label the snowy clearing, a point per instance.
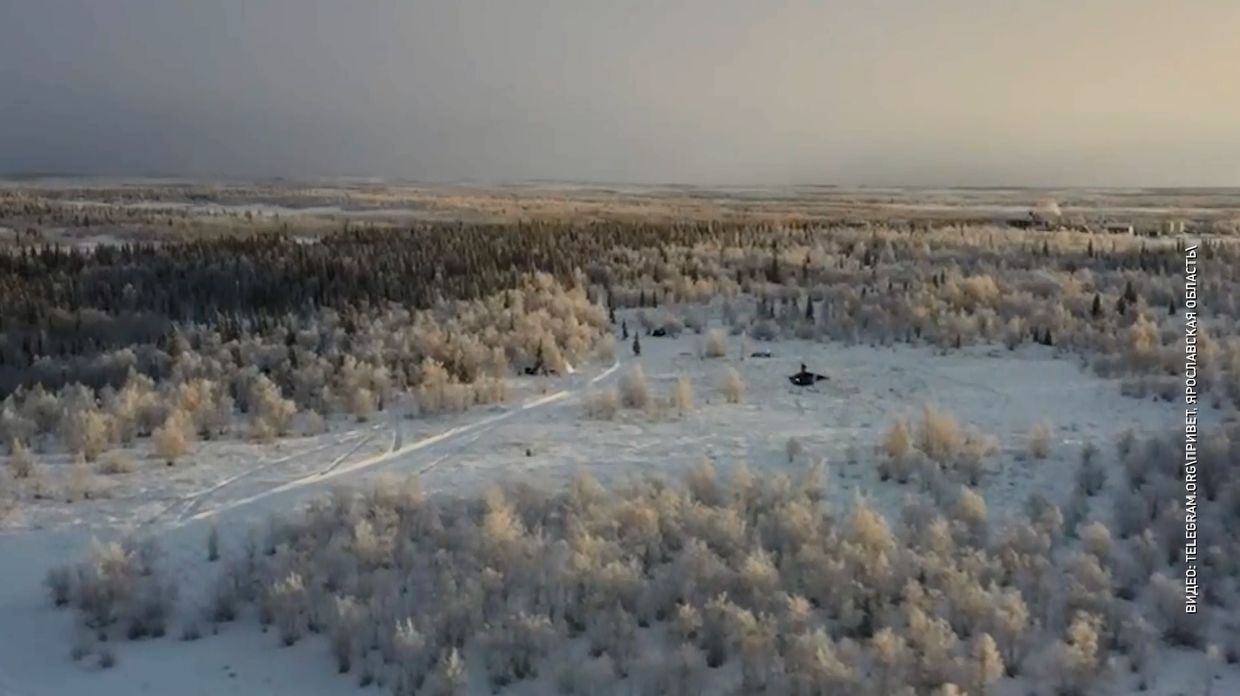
(542, 436)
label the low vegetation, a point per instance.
(751, 583)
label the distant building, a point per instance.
(1119, 228)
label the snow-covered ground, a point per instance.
(543, 436)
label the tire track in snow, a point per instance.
(192, 501)
(352, 450)
(400, 450)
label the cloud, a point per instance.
(1123, 92)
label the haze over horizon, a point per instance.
(951, 93)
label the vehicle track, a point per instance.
(399, 450)
(189, 503)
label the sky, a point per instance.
(894, 92)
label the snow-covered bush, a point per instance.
(634, 390)
(81, 484)
(1092, 475)
(793, 449)
(681, 399)
(938, 434)
(651, 584)
(1040, 440)
(896, 441)
(172, 439)
(602, 404)
(21, 461)
(732, 385)
(115, 462)
(119, 590)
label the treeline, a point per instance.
(308, 314)
(67, 301)
(57, 301)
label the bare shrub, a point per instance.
(450, 677)
(88, 432)
(896, 441)
(21, 461)
(793, 449)
(1040, 440)
(703, 485)
(107, 658)
(119, 585)
(901, 469)
(345, 630)
(634, 390)
(971, 460)
(602, 404)
(38, 485)
(1178, 627)
(172, 439)
(362, 403)
(272, 414)
(605, 350)
(287, 602)
(81, 483)
(1091, 477)
(716, 344)
(987, 664)
(115, 462)
(732, 385)
(682, 396)
(59, 583)
(970, 514)
(1074, 662)
(313, 423)
(938, 436)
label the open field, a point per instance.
(148, 210)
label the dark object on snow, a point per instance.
(659, 332)
(805, 378)
(540, 369)
(760, 354)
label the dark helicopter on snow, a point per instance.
(805, 378)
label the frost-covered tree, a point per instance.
(272, 414)
(815, 666)
(938, 435)
(1075, 661)
(173, 439)
(450, 677)
(287, 600)
(1177, 626)
(987, 664)
(87, 431)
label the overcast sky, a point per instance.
(939, 92)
